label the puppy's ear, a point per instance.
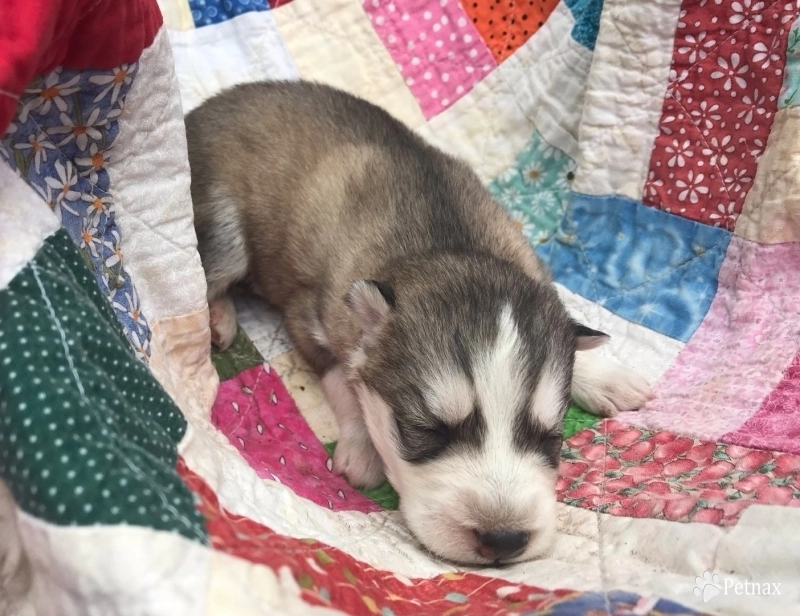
(588, 338)
(371, 302)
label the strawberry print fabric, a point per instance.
(260, 419)
(435, 46)
(727, 70)
(627, 471)
(330, 577)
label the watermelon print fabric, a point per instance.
(648, 153)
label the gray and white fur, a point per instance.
(442, 345)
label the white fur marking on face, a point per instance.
(449, 395)
(548, 399)
(498, 381)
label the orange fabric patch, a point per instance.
(507, 24)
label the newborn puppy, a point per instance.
(442, 345)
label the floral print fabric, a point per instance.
(535, 190)
(727, 69)
(60, 143)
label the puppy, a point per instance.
(442, 345)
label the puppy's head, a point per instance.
(464, 375)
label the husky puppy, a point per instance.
(441, 342)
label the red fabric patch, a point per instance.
(727, 70)
(632, 472)
(37, 36)
(259, 417)
(329, 577)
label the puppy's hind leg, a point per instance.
(223, 252)
(604, 388)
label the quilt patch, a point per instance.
(260, 419)
(60, 143)
(790, 92)
(87, 435)
(536, 189)
(623, 470)
(721, 100)
(207, 12)
(503, 29)
(651, 268)
(435, 46)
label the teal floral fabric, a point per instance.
(536, 189)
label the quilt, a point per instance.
(649, 152)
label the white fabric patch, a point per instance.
(771, 211)
(177, 14)
(333, 42)
(25, 222)
(213, 58)
(624, 96)
(149, 179)
(129, 570)
(548, 77)
(263, 325)
(634, 346)
(486, 128)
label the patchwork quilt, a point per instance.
(649, 151)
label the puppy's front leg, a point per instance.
(222, 317)
(355, 457)
(604, 388)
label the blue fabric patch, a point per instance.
(207, 12)
(643, 264)
(587, 20)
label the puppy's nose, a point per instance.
(501, 544)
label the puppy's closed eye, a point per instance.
(423, 442)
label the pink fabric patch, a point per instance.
(436, 48)
(776, 425)
(257, 414)
(739, 353)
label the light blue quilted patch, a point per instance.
(790, 92)
(643, 264)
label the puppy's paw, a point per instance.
(359, 463)
(606, 389)
(222, 317)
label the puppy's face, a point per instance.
(464, 386)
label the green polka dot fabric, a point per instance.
(87, 435)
